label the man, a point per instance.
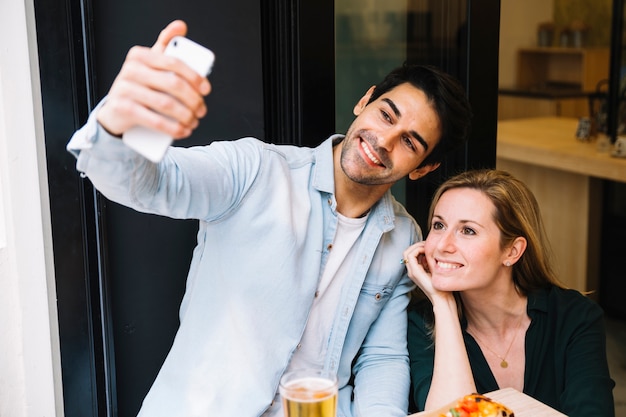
(297, 261)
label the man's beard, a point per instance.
(356, 168)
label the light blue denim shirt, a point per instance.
(267, 217)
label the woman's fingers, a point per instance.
(417, 267)
(412, 253)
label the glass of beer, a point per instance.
(309, 393)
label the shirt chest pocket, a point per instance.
(372, 299)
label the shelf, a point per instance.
(538, 68)
(554, 81)
(548, 92)
(555, 50)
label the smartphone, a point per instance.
(151, 143)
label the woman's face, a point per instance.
(463, 245)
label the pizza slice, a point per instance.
(476, 405)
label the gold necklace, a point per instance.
(503, 362)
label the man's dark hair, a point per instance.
(448, 98)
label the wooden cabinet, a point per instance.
(554, 82)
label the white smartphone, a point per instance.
(151, 143)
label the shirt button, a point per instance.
(330, 246)
(299, 346)
(330, 202)
(317, 293)
(378, 296)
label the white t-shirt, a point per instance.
(311, 351)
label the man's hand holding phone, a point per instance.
(159, 91)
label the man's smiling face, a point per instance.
(390, 137)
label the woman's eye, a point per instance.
(468, 231)
(437, 226)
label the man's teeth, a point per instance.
(445, 265)
(369, 154)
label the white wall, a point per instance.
(518, 28)
(30, 376)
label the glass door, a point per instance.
(374, 36)
(612, 280)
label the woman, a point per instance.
(495, 314)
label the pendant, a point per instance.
(504, 364)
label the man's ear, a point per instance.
(421, 171)
(358, 108)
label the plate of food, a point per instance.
(472, 405)
(506, 402)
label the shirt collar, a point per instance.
(323, 171)
(537, 300)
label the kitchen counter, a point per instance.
(565, 174)
(551, 142)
